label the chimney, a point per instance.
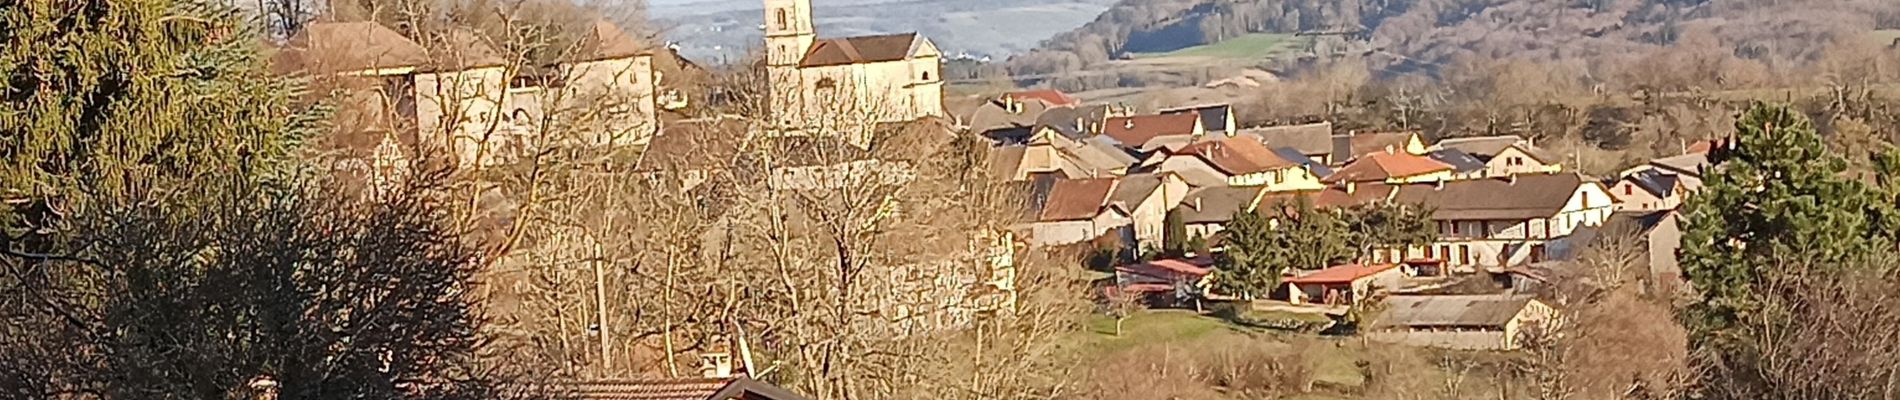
(1197, 204)
(1439, 185)
(1128, 123)
(1512, 179)
(1351, 187)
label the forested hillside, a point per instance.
(1409, 36)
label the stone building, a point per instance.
(836, 84)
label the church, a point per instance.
(832, 84)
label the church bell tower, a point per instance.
(788, 35)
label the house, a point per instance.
(1464, 322)
(1217, 118)
(1050, 152)
(1240, 161)
(1052, 97)
(889, 78)
(691, 151)
(1649, 190)
(1395, 168)
(1504, 155)
(1501, 222)
(448, 92)
(1353, 145)
(1342, 285)
(1463, 165)
(1079, 210)
(1019, 115)
(1313, 140)
(1206, 211)
(737, 388)
(1082, 120)
(1000, 118)
(1148, 198)
(1688, 169)
(1137, 131)
(1658, 235)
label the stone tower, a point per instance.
(788, 35)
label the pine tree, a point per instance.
(1250, 267)
(1284, 236)
(1174, 237)
(171, 240)
(1776, 197)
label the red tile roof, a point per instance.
(1378, 142)
(859, 50)
(1381, 166)
(1076, 199)
(1137, 130)
(1237, 156)
(1342, 274)
(1051, 97)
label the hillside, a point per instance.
(712, 29)
(1407, 36)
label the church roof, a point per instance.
(859, 50)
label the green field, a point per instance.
(1250, 46)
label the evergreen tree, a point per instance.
(1260, 248)
(1388, 224)
(163, 240)
(1776, 197)
(1250, 267)
(1174, 237)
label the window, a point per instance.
(1629, 190)
(1454, 228)
(784, 19)
(1464, 254)
(926, 76)
(1446, 251)
(1429, 254)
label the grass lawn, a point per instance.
(1250, 46)
(1334, 365)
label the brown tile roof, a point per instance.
(1213, 117)
(1526, 196)
(1336, 196)
(859, 50)
(1076, 199)
(1483, 147)
(1309, 139)
(1380, 166)
(1135, 131)
(1218, 203)
(699, 144)
(1047, 96)
(1351, 145)
(679, 389)
(1237, 156)
(331, 47)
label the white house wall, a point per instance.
(478, 94)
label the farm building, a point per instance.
(1467, 322)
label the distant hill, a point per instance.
(1405, 36)
(710, 30)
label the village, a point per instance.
(1144, 202)
(640, 225)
